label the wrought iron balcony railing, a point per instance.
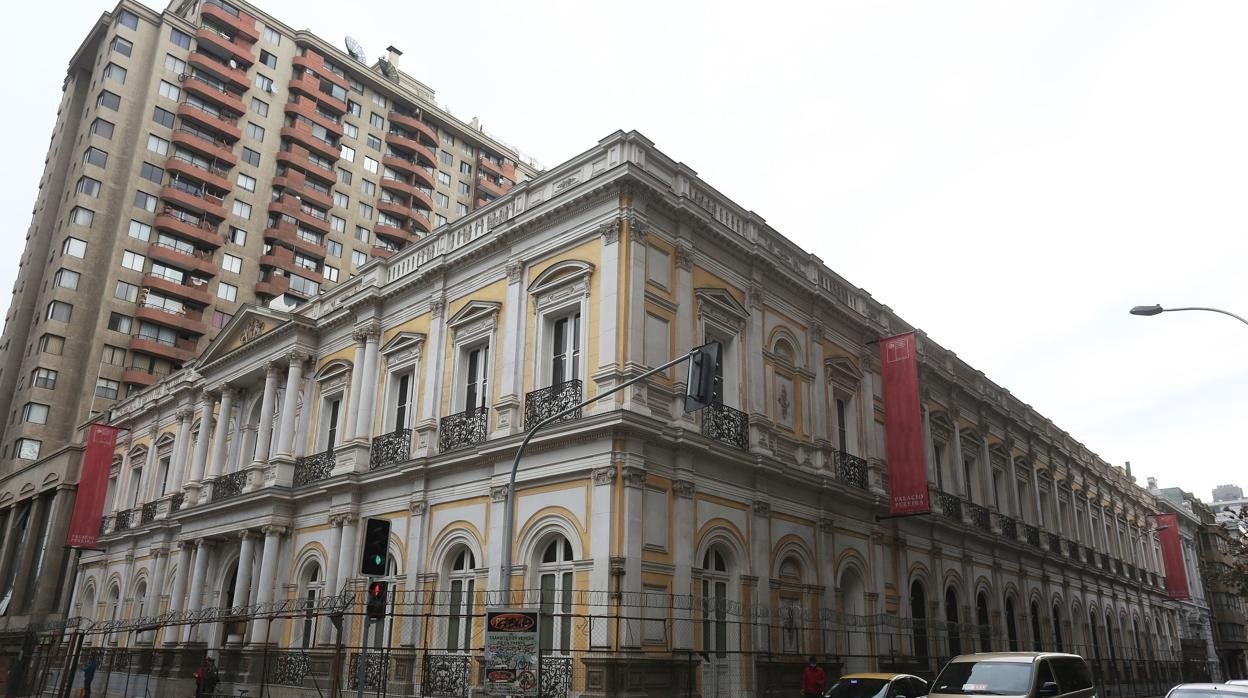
(148, 514)
(229, 485)
(106, 523)
(726, 425)
(951, 506)
(548, 402)
(1071, 549)
(313, 468)
(979, 516)
(1032, 534)
(1054, 541)
(463, 429)
(390, 449)
(176, 502)
(123, 520)
(851, 469)
(1009, 528)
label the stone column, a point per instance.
(148, 482)
(431, 398)
(290, 402)
(416, 509)
(9, 550)
(200, 458)
(955, 439)
(325, 631)
(353, 391)
(825, 553)
(754, 377)
(683, 553)
(494, 552)
(264, 438)
(203, 548)
(634, 514)
(29, 552)
(177, 594)
(1035, 491)
(181, 446)
(268, 567)
(217, 465)
(368, 388)
(988, 488)
(120, 487)
(634, 321)
(1011, 472)
(509, 415)
(929, 447)
(819, 390)
(686, 314)
(246, 556)
(46, 595)
(346, 559)
(151, 605)
(607, 374)
(760, 569)
(602, 500)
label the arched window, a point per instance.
(140, 596)
(462, 583)
(918, 614)
(1057, 628)
(1037, 639)
(86, 607)
(784, 350)
(114, 609)
(715, 603)
(953, 619)
(1011, 627)
(555, 602)
(310, 588)
(790, 606)
(1095, 635)
(854, 605)
(982, 619)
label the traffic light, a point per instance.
(704, 386)
(377, 599)
(376, 545)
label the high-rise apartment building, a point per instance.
(203, 158)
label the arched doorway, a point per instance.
(984, 622)
(954, 621)
(309, 588)
(716, 590)
(1036, 637)
(1011, 626)
(918, 615)
(1057, 628)
(853, 606)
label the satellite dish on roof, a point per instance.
(356, 50)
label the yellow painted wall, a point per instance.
(494, 293)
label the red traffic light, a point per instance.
(376, 589)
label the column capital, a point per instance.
(437, 305)
(684, 255)
(417, 507)
(816, 331)
(514, 269)
(296, 356)
(204, 543)
(498, 494)
(761, 508)
(274, 530)
(185, 413)
(683, 488)
(754, 296)
(247, 533)
(634, 476)
(603, 476)
(225, 389)
(274, 368)
(207, 395)
(610, 231)
(827, 525)
(347, 519)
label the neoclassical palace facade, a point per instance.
(752, 527)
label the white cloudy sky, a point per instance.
(1010, 176)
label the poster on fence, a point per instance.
(511, 652)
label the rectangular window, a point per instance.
(169, 90)
(271, 36)
(157, 145)
(179, 39)
(353, 108)
(350, 130)
(444, 178)
(43, 378)
(81, 216)
(132, 260)
(74, 247)
(95, 156)
(442, 200)
(242, 209)
(231, 263)
(358, 258)
(52, 344)
(174, 64)
(126, 292)
(251, 157)
(465, 188)
(338, 225)
(376, 120)
(342, 200)
(246, 182)
(331, 428)
(120, 323)
(330, 273)
(107, 388)
(461, 209)
(465, 169)
(121, 46)
(164, 117)
(335, 248)
(127, 19)
(366, 211)
(238, 236)
(264, 82)
(114, 356)
(108, 100)
(89, 187)
(373, 142)
(145, 201)
(220, 319)
(363, 234)
(27, 449)
(259, 106)
(565, 349)
(446, 157)
(151, 173)
(842, 433)
(102, 128)
(476, 377)
(402, 401)
(368, 187)
(347, 153)
(379, 99)
(66, 278)
(255, 131)
(116, 73)
(58, 310)
(439, 219)
(268, 59)
(226, 291)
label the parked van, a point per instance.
(1029, 674)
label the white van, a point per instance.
(1028, 674)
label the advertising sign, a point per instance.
(84, 525)
(511, 652)
(903, 426)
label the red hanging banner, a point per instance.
(903, 426)
(84, 526)
(1172, 556)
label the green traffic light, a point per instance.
(376, 559)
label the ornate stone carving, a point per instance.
(185, 413)
(634, 477)
(274, 530)
(247, 533)
(604, 476)
(827, 525)
(762, 508)
(684, 256)
(683, 488)
(755, 297)
(816, 331)
(498, 494)
(610, 231)
(417, 507)
(514, 268)
(251, 330)
(437, 306)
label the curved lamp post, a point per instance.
(1150, 310)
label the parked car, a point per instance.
(1030, 674)
(1208, 690)
(1238, 682)
(877, 686)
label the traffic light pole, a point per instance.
(510, 510)
(361, 667)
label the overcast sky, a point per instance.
(1009, 176)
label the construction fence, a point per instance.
(432, 644)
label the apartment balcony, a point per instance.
(413, 123)
(393, 208)
(306, 107)
(185, 169)
(420, 223)
(301, 134)
(210, 63)
(1031, 535)
(950, 506)
(311, 60)
(207, 38)
(202, 232)
(224, 123)
(216, 94)
(404, 165)
(726, 425)
(390, 449)
(138, 376)
(314, 468)
(199, 201)
(298, 157)
(491, 187)
(215, 148)
(410, 144)
(181, 351)
(463, 429)
(295, 183)
(199, 261)
(852, 470)
(379, 252)
(191, 321)
(502, 168)
(302, 212)
(243, 24)
(194, 294)
(272, 286)
(284, 233)
(392, 233)
(487, 165)
(310, 86)
(545, 403)
(284, 259)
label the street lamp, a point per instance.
(1150, 310)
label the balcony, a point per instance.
(392, 233)
(306, 107)
(405, 142)
(302, 134)
(394, 208)
(138, 376)
(198, 260)
(298, 157)
(284, 232)
(195, 294)
(979, 516)
(224, 123)
(191, 321)
(420, 223)
(487, 165)
(215, 148)
(726, 425)
(951, 506)
(390, 449)
(295, 183)
(197, 200)
(229, 486)
(171, 221)
(181, 351)
(121, 522)
(284, 259)
(310, 85)
(185, 169)
(414, 123)
(1009, 528)
(545, 403)
(379, 252)
(491, 187)
(463, 429)
(315, 62)
(308, 215)
(850, 469)
(404, 165)
(243, 24)
(272, 286)
(207, 62)
(217, 94)
(1031, 535)
(313, 468)
(147, 513)
(209, 38)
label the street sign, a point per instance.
(511, 652)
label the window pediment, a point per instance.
(843, 373)
(476, 317)
(719, 305)
(404, 346)
(560, 281)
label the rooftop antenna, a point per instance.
(356, 50)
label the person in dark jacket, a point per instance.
(88, 676)
(814, 680)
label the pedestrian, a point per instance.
(814, 679)
(88, 675)
(212, 679)
(201, 677)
